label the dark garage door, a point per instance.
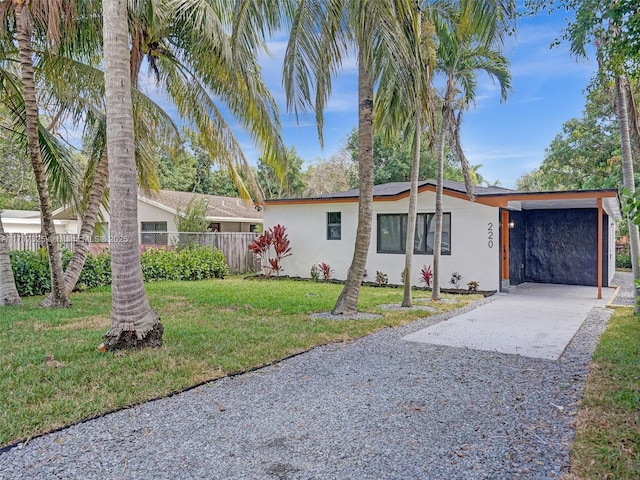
(556, 246)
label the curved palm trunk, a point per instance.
(628, 178)
(348, 300)
(413, 212)
(24, 29)
(8, 291)
(134, 324)
(98, 187)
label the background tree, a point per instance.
(288, 183)
(612, 28)
(586, 155)
(17, 185)
(335, 174)
(392, 160)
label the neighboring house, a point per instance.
(28, 221)
(501, 239)
(157, 212)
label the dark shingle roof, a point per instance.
(397, 188)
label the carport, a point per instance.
(563, 238)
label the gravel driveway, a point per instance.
(378, 407)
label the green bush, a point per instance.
(31, 272)
(623, 260)
(31, 269)
(191, 263)
(159, 264)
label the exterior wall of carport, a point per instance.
(559, 247)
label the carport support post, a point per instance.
(599, 248)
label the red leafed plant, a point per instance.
(275, 238)
(426, 275)
(326, 270)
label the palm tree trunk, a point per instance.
(628, 178)
(347, 302)
(413, 212)
(23, 34)
(98, 187)
(134, 324)
(437, 240)
(8, 291)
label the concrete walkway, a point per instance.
(537, 321)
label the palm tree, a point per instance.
(406, 105)
(186, 70)
(8, 292)
(322, 32)
(43, 15)
(621, 87)
(605, 25)
(467, 45)
(133, 322)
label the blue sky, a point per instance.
(508, 139)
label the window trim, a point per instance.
(403, 233)
(154, 231)
(331, 225)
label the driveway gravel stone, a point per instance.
(378, 407)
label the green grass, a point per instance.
(52, 375)
(607, 444)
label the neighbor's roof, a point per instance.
(492, 196)
(218, 208)
(7, 214)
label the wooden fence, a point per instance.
(234, 245)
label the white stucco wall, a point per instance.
(151, 213)
(32, 225)
(471, 255)
(612, 249)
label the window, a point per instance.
(392, 233)
(100, 233)
(153, 233)
(334, 225)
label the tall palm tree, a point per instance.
(628, 176)
(408, 105)
(468, 43)
(164, 34)
(133, 322)
(322, 32)
(43, 15)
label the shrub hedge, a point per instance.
(31, 269)
(623, 260)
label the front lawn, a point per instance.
(607, 444)
(51, 374)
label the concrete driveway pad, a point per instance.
(537, 320)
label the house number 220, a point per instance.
(490, 235)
